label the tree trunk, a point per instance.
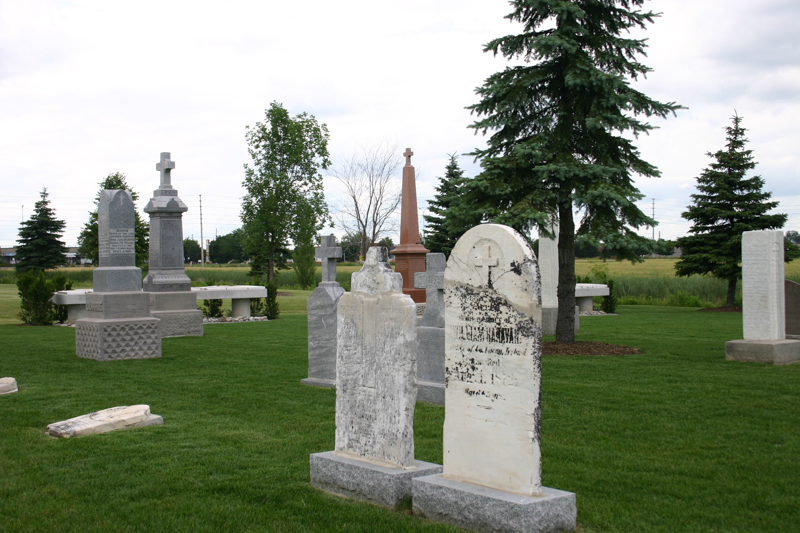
(565, 324)
(732, 292)
(271, 267)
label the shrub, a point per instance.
(271, 301)
(35, 293)
(609, 304)
(60, 283)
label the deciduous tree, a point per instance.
(40, 245)
(562, 123)
(283, 186)
(191, 250)
(227, 248)
(727, 204)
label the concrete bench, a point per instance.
(584, 292)
(240, 296)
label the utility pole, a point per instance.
(654, 217)
(202, 249)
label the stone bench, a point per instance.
(240, 296)
(584, 292)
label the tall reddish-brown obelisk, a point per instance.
(410, 254)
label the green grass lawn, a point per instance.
(674, 439)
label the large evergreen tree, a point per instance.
(448, 223)
(562, 123)
(285, 199)
(726, 205)
(88, 243)
(40, 246)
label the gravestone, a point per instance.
(123, 417)
(321, 306)
(375, 391)
(409, 255)
(8, 385)
(548, 271)
(430, 332)
(763, 303)
(117, 324)
(170, 290)
(493, 348)
(792, 297)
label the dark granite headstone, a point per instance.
(792, 298)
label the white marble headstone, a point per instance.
(763, 311)
(376, 365)
(8, 385)
(104, 421)
(493, 352)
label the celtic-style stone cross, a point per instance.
(165, 165)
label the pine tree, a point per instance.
(88, 239)
(449, 221)
(726, 205)
(562, 123)
(40, 247)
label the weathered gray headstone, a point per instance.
(171, 297)
(117, 323)
(321, 307)
(123, 417)
(792, 297)
(763, 304)
(8, 385)
(493, 349)
(430, 332)
(375, 391)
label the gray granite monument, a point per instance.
(168, 286)
(321, 306)
(430, 332)
(375, 391)
(763, 303)
(792, 296)
(492, 429)
(117, 324)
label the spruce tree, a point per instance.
(727, 204)
(448, 222)
(40, 247)
(88, 242)
(562, 124)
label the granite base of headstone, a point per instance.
(178, 313)
(763, 303)
(8, 385)
(375, 391)
(118, 326)
(123, 417)
(491, 478)
(792, 295)
(321, 306)
(550, 318)
(430, 331)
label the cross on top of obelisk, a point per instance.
(486, 261)
(408, 153)
(165, 165)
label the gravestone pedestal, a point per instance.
(321, 307)
(763, 303)
(117, 323)
(171, 297)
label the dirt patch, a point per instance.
(722, 309)
(587, 348)
(285, 293)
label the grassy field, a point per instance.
(674, 439)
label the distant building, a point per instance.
(7, 256)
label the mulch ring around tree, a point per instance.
(722, 309)
(587, 348)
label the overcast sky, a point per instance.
(88, 88)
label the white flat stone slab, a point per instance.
(122, 417)
(223, 292)
(8, 385)
(71, 297)
(590, 289)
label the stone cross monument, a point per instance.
(117, 324)
(171, 297)
(321, 306)
(410, 254)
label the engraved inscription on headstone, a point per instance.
(121, 241)
(493, 362)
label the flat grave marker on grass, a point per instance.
(492, 429)
(8, 385)
(123, 417)
(375, 391)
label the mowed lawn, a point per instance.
(673, 439)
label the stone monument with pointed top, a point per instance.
(492, 428)
(321, 306)
(409, 254)
(117, 323)
(375, 391)
(430, 332)
(170, 290)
